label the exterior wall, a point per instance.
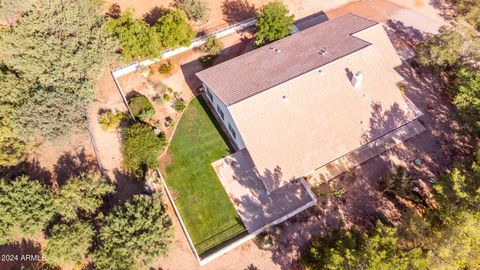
(227, 117)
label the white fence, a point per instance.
(195, 43)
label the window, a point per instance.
(209, 94)
(232, 131)
(220, 112)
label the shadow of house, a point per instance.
(235, 11)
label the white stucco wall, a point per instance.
(227, 119)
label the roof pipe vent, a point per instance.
(357, 80)
(275, 49)
(322, 52)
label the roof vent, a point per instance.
(357, 79)
(321, 72)
(285, 98)
(275, 49)
(322, 52)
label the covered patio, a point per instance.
(256, 208)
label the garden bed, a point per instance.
(208, 213)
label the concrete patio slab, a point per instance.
(256, 208)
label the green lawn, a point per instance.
(205, 208)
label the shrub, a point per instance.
(166, 67)
(179, 104)
(212, 46)
(207, 60)
(167, 97)
(169, 122)
(133, 234)
(140, 148)
(145, 71)
(68, 244)
(273, 23)
(110, 121)
(196, 10)
(141, 107)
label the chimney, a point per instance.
(357, 80)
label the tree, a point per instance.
(174, 29)
(63, 47)
(468, 9)
(140, 148)
(83, 193)
(273, 23)
(26, 207)
(353, 249)
(196, 10)
(442, 50)
(133, 234)
(467, 96)
(141, 107)
(137, 38)
(68, 244)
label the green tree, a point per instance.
(140, 148)
(174, 29)
(468, 9)
(141, 107)
(137, 38)
(457, 245)
(352, 249)
(26, 207)
(196, 10)
(467, 96)
(273, 23)
(133, 234)
(83, 193)
(68, 244)
(63, 47)
(442, 50)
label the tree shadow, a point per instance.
(30, 168)
(235, 11)
(114, 11)
(445, 8)
(152, 16)
(25, 255)
(72, 164)
(126, 187)
(409, 34)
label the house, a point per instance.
(323, 99)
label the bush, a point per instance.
(273, 23)
(140, 148)
(212, 46)
(179, 104)
(207, 60)
(196, 10)
(133, 234)
(167, 97)
(169, 122)
(145, 71)
(141, 107)
(110, 121)
(166, 67)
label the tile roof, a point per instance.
(261, 69)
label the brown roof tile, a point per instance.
(264, 68)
